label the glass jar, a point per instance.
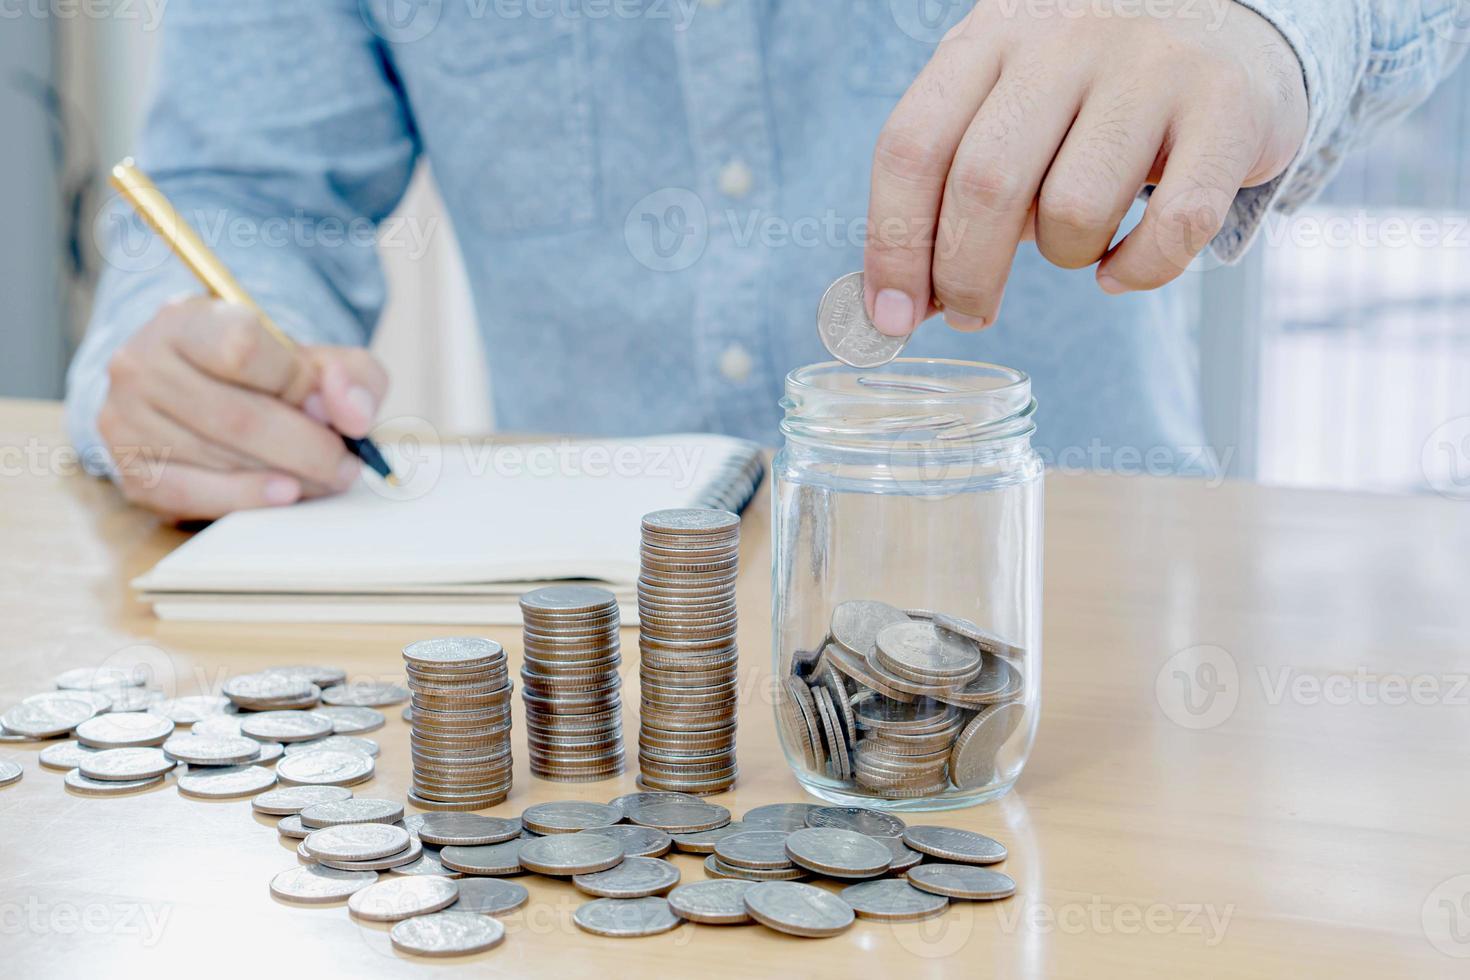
(907, 582)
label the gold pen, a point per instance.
(155, 209)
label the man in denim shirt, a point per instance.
(651, 195)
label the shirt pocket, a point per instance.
(890, 41)
(518, 82)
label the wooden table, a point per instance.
(1312, 819)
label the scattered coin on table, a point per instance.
(904, 857)
(716, 868)
(192, 709)
(65, 755)
(635, 877)
(717, 903)
(488, 859)
(638, 841)
(365, 695)
(626, 917)
(312, 673)
(836, 853)
(677, 816)
(427, 863)
(123, 731)
(489, 896)
(360, 809)
(758, 849)
(389, 862)
(312, 884)
(217, 725)
(704, 841)
(47, 719)
(78, 783)
(952, 844)
(569, 816)
(962, 881)
(291, 826)
(211, 750)
(564, 855)
(225, 782)
(466, 829)
(779, 816)
(797, 909)
(350, 719)
(448, 933)
(114, 765)
(130, 699)
(101, 678)
(335, 743)
(325, 767)
(10, 772)
(392, 899)
(873, 823)
(286, 726)
(355, 841)
(892, 900)
(99, 700)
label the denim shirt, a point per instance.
(651, 195)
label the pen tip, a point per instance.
(391, 479)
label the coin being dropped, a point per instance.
(121, 731)
(126, 764)
(638, 841)
(489, 859)
(347, 811)
(356, 842)
(490, 896)
(715, 903)
(871, 823)
(797, 909)
(847, 331)
(626, 917)
(953, 844)
(892, 900)
(312, 884)
(448, 933)
(78, 783)
(325, 767)
(466, 829)
(400, 898)
(351, 720)
(570, 854)
(226, 782)
(962, 881)
(65, 755)
(569, 816)
(779, 816)
(294, 799)
(10, 772)
(636, 877)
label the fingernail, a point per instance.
(893, 313)
(280, 491)
(1111, 286)
(962, 321)
(316, 408)
(364, 402)
(347, 472)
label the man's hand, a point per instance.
(236, 420)
(1046, 121)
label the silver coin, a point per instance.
(389, 862)
(626, 917)
(6, 736)
(953, 844)
(335, 813)
(217, 725)
(757, 849)
(65, 755)
(570, 854)
(638, 841)
(193, 709)
(392, 899)
(115, 765)
(856, 624)
(676, 816)
(986, 640)
(797, 909)
(716, 868)
(325, 767)
(225, 782)
(452, 651)
(871, 823)
(892, 900)
(972, 762)
(428, 863)
(467, 829)
(47, 719)
(569, 816)
(352, 720)
(269, 752)
(130, 699)
(449, 933)
(266, 687)
(779, 816)
(99, 700)
(963, 881)
(102, 678)
(365, 695)
(10, 772)
(922, 650)
(123, 731)
(636, 877)
(490, 896)
(312, 884)
(691, 520)
(488, 859)
(848, 332)
(78, 783)
(341, 743)
(838, 853)
(286, 726)
(291, 825)
(704, 841)
(312, 673)
(355, 841)
(294, 799)
(717, 903)
(209, 750)
(903, 856)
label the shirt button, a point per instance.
(736, 179)
(736, 364)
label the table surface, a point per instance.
(1251, 758)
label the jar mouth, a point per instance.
(922, 399)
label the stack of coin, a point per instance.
(902, 704)
(688, 668)
(460, 739)
(570, 683)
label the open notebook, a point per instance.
(472, 527)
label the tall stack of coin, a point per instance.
(460, 737)
(570, 683)
(688, 669)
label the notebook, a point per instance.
(472, 526)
